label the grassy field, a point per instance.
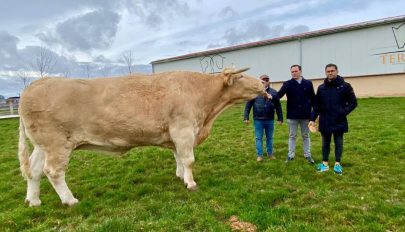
(139, 191)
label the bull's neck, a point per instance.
(221, 102)
(217, 103)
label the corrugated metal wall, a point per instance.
(367, 51)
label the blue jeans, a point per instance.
(268, 127)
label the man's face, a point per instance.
(331, 73)
(266, 82)
(295, 72)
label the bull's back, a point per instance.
(119, 111)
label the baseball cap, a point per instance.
(264, 77)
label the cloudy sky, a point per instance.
(87, 38)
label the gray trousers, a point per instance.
(293, 128)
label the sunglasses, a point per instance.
(265, 80)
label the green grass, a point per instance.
(139, 191)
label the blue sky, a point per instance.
(87, 38)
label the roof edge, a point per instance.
(282, 39)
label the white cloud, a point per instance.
(93, 30)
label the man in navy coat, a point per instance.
(300, 98)
(334, 100)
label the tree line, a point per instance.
(45, 62)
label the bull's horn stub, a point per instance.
(241, 70)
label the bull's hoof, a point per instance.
(192, 188)
(71, 202)
(33, 203)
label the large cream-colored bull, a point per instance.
(175, 110)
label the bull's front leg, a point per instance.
(184, 141)
(187, 159)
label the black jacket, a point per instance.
(300, 98)
(333, 102)
(263, 109)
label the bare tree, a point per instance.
(44, 62)
(128, 59)
(24, 77)
(105, 70)
(88, 70)
(66, 73)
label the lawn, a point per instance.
(139, 191)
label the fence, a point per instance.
(8, 109)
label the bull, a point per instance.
(175, 110)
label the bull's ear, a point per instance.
(228, 80)
(230, 75)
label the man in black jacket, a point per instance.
(334, 100)
(300, 97)
(263, 115)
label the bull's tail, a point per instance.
(23, 154)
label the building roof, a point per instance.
(282, 39)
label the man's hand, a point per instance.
(246, 121)
(267, 95)
(312, 126)
(279, 122)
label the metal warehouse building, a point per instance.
(370, 55)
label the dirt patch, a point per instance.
(237, 225)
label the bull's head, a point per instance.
(241, 86)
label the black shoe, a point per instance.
(310, 160)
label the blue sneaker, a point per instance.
(322, 167)
(338, 169)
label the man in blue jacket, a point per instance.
(334, 100)
(300, 98)
(263, 115)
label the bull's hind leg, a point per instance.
(37, 160)
(56, 163)
(179, 166)
(184, 142)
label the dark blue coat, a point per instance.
(300, 98)
(333, 102)
(263, 109)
